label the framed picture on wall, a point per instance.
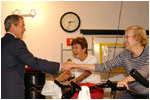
(105, 48)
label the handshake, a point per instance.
(67, 65)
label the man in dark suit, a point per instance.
(14, 57)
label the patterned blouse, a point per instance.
(125, 59)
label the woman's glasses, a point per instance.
(126, 37)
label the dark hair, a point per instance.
(81, 41)
(11, 19)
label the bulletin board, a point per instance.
(105, 48)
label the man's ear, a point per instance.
(12, 25)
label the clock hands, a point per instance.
(70, 23)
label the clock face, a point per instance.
(70, 22)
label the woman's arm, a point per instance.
(83, 76)
(90, 67)
(64, 76)
(103, 67)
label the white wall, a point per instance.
(43, 33)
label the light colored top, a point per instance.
(125, 59)
(94, 77)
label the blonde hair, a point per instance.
(140, 34)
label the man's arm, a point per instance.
(24, 55)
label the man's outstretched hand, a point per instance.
(67, 65)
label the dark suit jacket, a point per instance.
(14, 57)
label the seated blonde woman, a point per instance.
(135, 56)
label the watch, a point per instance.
(70, 22)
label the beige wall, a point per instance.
(43, 33)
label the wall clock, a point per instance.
(70, 22)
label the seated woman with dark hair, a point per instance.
(82, 77)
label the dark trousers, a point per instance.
(129, 95)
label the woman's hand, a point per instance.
(123, 83)
(69, 82)
(66, 83)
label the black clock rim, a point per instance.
(62, 18)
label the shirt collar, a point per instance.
(12, 34)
